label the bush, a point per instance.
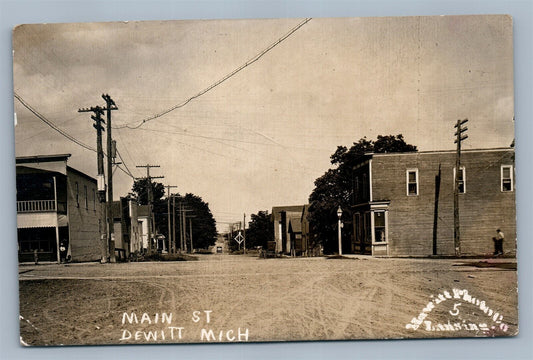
(169, 257)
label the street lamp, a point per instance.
(339, 215)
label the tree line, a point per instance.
(204, 231)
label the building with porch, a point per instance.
(287, 228)
(128, 229)
(404, 202)
(58, 215)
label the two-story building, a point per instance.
(128, 229)
(58, 215)
(404, 202)
(287, 229)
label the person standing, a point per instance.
(498, 242)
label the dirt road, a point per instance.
(236, 298)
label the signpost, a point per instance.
(239, 239)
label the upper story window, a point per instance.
(412, 182)
(461, 178)
(94, 200)
(77, 195)
(506, 178)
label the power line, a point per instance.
(126, 166)
(64, 133)
(220, 81)
(51, 124)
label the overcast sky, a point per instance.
(263, 136)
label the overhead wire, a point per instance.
(64, 133)
(51, 124)
(124, 163)
(220, 81)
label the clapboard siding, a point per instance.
(483, 207)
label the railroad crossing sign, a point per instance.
(239, 238)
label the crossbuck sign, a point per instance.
(239, 238)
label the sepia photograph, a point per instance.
(265, 180)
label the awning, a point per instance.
(39, 220)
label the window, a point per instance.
(86, 197)
(94, 200)
(379, 226)
(77, 195)
(507, 178)
(461, 178)
(412, 182)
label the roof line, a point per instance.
(440, 151)
(41, 158)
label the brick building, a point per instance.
(396, 211)
(57, 207)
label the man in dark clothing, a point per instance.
(498, 242)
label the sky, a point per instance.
(260, 138)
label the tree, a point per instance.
(335, 188)
(203, 223)
(260, 230)
(159, 209)
(140, 189)
(204, 230)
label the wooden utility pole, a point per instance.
(188, 246)
(436, 211)
(149, 178)
(190, 232)
(174, 222)
(170, 244)
(456, 225)
(182, 242)
(110, 105)
(244, 233)
(97, 117)
(183, 227)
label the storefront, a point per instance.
(370, 229)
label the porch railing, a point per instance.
(36, 206)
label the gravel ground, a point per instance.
(224, 298)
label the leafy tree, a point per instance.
(204, 231)
(140, 189)
(260, 230)
(159, 205)
(335, 188)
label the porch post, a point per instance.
(372, 232)
(57, 223)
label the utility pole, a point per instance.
(244, 233)
(149, 178)
(170, 244)
(190, 232)
(174, 221)
(182, 242)
(436, 211)
(458, 140)
(110, 105)
(97, 117)
(184, 211)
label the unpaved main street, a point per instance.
(235, 298)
